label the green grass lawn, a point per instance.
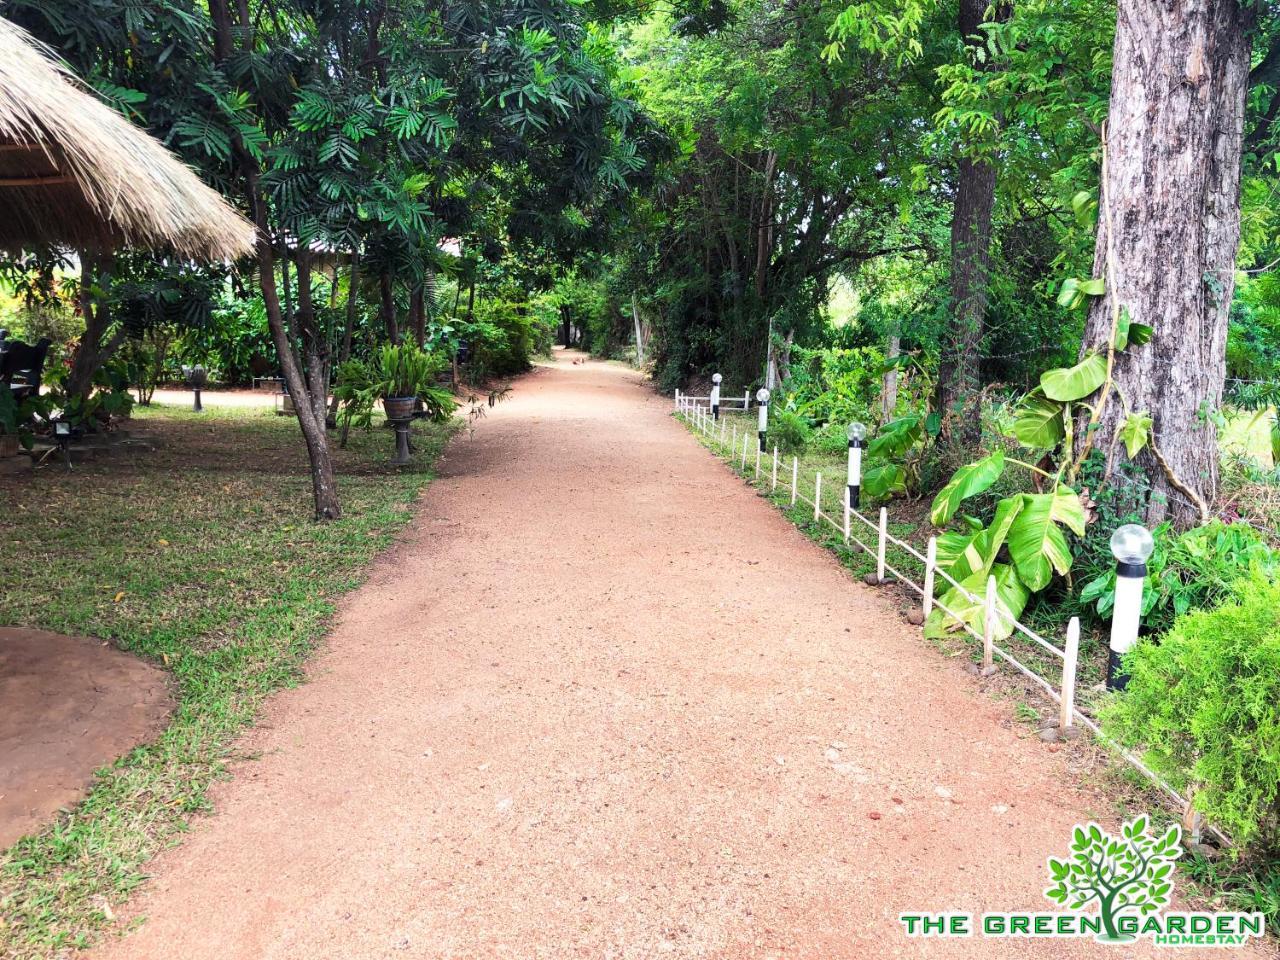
(202, 557)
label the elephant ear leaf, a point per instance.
(1038, 422)
(1275, 441)
(884, 481)
(1135, 432)
(961, 555)
(968, 602)
(1068, 384)
(895, 438)
(1036, 541)
(969, 481)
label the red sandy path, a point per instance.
(604, 702)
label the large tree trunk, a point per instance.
(1168, 230)
(93, 350)
(958, 373)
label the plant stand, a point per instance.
(403, 450)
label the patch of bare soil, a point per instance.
(70, 706)
(603, 701)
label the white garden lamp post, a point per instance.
(762, 397)
(857, 433)
(1132, 546)
(715, 396)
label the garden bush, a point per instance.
(788, 430)
(1204, 703)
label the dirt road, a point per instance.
(604, 702)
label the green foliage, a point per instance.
(967, 482)
(1038, 422)
(1204, 703)
(788, 430)
(18, 419)
(404, 370)
(1075, 383)
(1036, 542)
(968, 603)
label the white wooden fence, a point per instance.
(744, 454)
(733, 403)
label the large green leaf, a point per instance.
(1140, 333)
(1069, 384)
(1036, 542)
(1038, 422)
(1275, 441)
(895, 438)
(1121, 341)
(1011, 599)
(884, 481)
(961, 555)
(969, 481)
(1135, 432)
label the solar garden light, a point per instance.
(762, 397)
(715, 396)
(857, 433)
(1132, 546)
(196, 378)
(62, 433)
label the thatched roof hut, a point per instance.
(76, 174)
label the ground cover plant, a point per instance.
(203, 558)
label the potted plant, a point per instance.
(402, 374)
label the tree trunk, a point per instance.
(92, 352)
(958, 372)
(389, 307)
(1169, 227)
(324, 483)
(417, 317)
(315, 344)
(889, 392)
(635, 317)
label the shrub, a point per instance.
(1204, 703)
(788, 430)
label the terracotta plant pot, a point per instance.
(399, 408)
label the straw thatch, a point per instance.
(74, 173)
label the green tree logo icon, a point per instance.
(1129, 873)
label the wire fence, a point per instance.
(765, 470)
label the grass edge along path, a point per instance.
(202, 558)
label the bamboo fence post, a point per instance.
(882, 543)
(1070, 654)
(930, 563)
